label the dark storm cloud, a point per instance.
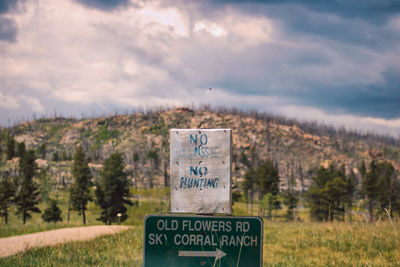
(376, 11)
(8, 30)
(346, 31)
(8, 27)
(104, 4)
(380, 100)
(7, 5)
(359, 22)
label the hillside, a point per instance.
(298, 148)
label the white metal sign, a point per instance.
(200, 171)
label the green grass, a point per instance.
(285, 244)
(36, 223)
(300, 243)
(331, 244)
(124, 249)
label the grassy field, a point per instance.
(285, 243)
(36, 223)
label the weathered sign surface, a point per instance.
(171, 241)
(200, 171)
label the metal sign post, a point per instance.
(200, 165)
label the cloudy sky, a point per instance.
(336, 62)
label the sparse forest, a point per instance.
(278, 163)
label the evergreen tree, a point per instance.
(64, 155)
(316, 201)
(369, 188)
(42, 151)
(136, 159)
(27, 193)
(290, 200)
(21, 149)
(244, 159)
(7, 191)
(112, 190)
(363, 170)
(52, 213)
(80, 189)
(249, 185)
(152, 154)
(351, 190)
(45, 183)
(381, 188)
(267, 178)
(335, 191)
(328, 194)
(56, 157)
(10, 148)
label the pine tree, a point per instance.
(45, 184)
(244, 159)
(135, 159)
(290, 200)
(363, 169)
(52, 213)
(55, 158)
(80, 189)
(10, 148)
(381, 188)
(21, 149)
(351, 191)
(112, 190)
(42, 151)
(328, 194)
(249, 185)
(27, 193)
(317, 202)
(152, 154)
(267, 178)
(64, 155)
(7, 191)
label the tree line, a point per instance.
(112, 189)
(332, 193)
(331, 196)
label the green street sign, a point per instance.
(178, 241)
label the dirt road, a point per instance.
(14, 244)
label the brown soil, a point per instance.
(15, 244)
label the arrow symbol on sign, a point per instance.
(218, 254)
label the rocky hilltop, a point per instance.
(297, 148)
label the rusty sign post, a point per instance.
(200, 165)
